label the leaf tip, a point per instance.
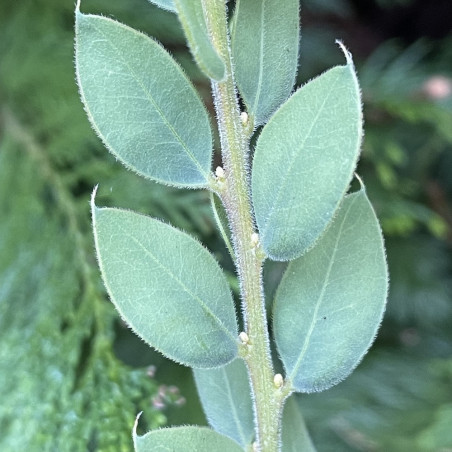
(93, 197)
(347, 54)
(361, 183)
(77, 7)
(135, 425)
(134, 430)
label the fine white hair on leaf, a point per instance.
(347, 54)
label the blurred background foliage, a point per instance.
(73, 377)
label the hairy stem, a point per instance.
(235, 194)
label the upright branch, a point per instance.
(331, 299)
(268, 391)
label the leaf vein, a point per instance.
(321, 295)
(156, 106)
(285, 179)
(203, 305)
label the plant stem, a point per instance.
(268, 399)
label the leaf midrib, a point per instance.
(320, 299)
(261, 61)
(149, 96)
(282, 187)
(203, 305)
(235, 415)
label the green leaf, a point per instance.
(295, 436)
(141, 104)
(331, 301)
(164, 4)
(304, 161)
(55, 378)
(265, 38)
(183, 439)
(191, 16)
(225, 397)
(167, 287)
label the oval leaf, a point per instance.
(295, 436)
(225, 397)
(304, 161)
(167, 287)
(183, 439)
(141, 104)
(164, 4)
(191, 16)
(265, 38)
(331, 301)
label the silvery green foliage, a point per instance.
(183, 439)
(170, 289)
(264, 42)
(155, 125)
(181, 306)
(225, 397)
(165, 4)
(192, 18)
(331, 300)
(304, 162)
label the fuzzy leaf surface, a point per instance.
(164, 4)
(304, 161)
(141, 104)
(191, 15)
(225, 397)
(265, 39)
(295, 436)
(167, 287)
(330, 302)
(183, 439)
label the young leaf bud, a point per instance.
(244, 338)
(254, 239)
(219, 172)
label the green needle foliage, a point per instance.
(181, 438)
(192, 18)
(288, 203)
(63, 388)
(227, 389)
(58, 372)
